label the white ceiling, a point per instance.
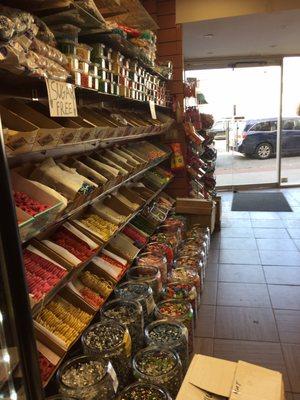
(251, 35)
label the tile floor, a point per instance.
(250, 307)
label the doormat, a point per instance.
(260, 201)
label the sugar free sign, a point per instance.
(62, 100)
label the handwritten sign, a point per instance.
(152, 109)
(62, 100)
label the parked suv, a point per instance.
(258, 137)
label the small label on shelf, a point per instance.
(152, 109)
(62, 99)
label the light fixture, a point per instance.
(273, 45)
(208, 36)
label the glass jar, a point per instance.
(61, 397)
(144, 391)
(162, 249)
(173, 335)
(130, 314)
(159, 366)
(198, 231)
(111, 341)
(178, 311)
(148, 274)
(193, 263)
(154, 258)
(87, 378)
(189, 276)
(183, 291)
(140, 292)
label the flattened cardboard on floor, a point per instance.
(216, 379)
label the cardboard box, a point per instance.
(202, 212)
(20, 134)
(21, 184)
(48, 130)
(70, 129)
(216, 379)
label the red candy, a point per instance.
(46, 368)
(28, 204)
(66, 239)
(41, 275)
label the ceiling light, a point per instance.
(208, 36)
(210, 52)
(273, 45)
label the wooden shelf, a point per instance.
(90, 202)
(26, 87)
(73, 274)
(76, 271)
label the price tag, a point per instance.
(152, 109)
(62, 100)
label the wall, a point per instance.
(201, 10)
(169, 37)
(169, 47)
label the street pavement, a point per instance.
(234, 168)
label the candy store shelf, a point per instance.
(27, 87)
(112, 189)
(118, 43)
(73, 274)
(79, 146)
(76, 271)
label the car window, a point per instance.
(297, 124)
(289, 124)
(218, 125)
(266, 126)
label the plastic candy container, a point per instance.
(148, 274)
(157, 259)
(173, 335)
(144, 391)
(178, 311)
(87, 378)
(130, 314)
(160, 366)
(111, 341)
(140, 292)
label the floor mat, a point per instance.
(260, 201)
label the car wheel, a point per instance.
(264, 151)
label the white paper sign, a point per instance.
(62, 100)
(152, 109)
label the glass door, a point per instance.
(244, 102)
(290, 133)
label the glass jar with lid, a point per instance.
(188, 276)
(148, 274)
(178, 311)
(87, 378)
(188, 262)
(130, 314)
(162, 249)
(144, 391)
(141, 292)
(154, 258)
(171, 334)
(159, 366)
(178, 289)
(110, 340)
